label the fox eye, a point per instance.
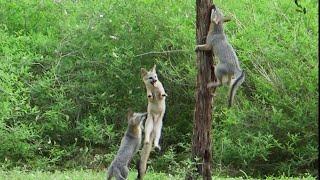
(150, 77)
(155, 76)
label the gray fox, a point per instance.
(156, 105)
(156, 110)
(228, 69)
(130, 144)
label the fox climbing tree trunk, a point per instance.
(201, 140)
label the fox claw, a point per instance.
(212, 85)
(157, 147)
(196, 48)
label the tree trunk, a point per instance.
(201, 141)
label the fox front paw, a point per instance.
(212, 84)
(150, 96)
(157, 147)
(196, 48)
(164, 95)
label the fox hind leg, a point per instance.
(118, 175)
(124, 172)
(148, 128)
(157, 128)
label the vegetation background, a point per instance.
(70, 69)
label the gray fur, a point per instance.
(130, 144)
(228, 66)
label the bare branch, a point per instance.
(161, 52)
(227, 19)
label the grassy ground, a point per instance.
(93, 175)
(70, 175)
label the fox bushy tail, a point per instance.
(234, 87)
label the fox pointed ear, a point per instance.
(143, 72)
(130, 113)
(153, 69)
(213, 11)
(217, 19)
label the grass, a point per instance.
(69, 175)
(96, 175)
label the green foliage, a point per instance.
(69, 70)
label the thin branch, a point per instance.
(227, 19)
(39, 65)
(161, 52)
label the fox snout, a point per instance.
(153, 81)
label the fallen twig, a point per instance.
(161, 52)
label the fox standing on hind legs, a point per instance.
(228, 68)
(130, 144)
(156, 105)
(156, 110)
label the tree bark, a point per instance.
(201, 140)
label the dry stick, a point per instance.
(226, 19)
(161, 52)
